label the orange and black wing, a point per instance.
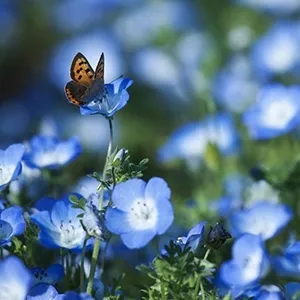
(99, 73)
(75, 93)
(81, 71)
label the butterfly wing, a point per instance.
(81, 71)
(75, 93)
(99, 73)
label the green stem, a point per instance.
(82, 264)
(202, 290)
(97, 241)
(206, 254)
(62, 257)
(1, 252)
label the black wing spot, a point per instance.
(79, 77)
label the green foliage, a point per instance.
(178, 274)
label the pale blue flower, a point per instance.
(15, 279)
(10, 164)
(248, 265)
(12, 223)
(288, 264)
(263, 218)
(49, 152)
(194, 236)
(277, 52)
(51, 275)
(276, 112)
(114, 98)
(142, 211)
(59, 225)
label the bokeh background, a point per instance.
(188, 60)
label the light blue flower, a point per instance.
(43, 291)
(142, 211)
(190, 141)
(114, 98)
(10, 164)
(263, 218)
(15, 279)
(248, 265)
(59, 225)
(234, 87)
(276, 112)
(194, 237)
(49, 152)
(277, 52)
(12, 223)
(291, 290)
(50, 275)
(264, 292)
(288, 264)
(274, 7)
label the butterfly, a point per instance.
(86, 85)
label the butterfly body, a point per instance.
(86, 85)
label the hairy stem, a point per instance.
(82, 264)
(97, 243)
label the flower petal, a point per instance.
(138, 239)
(117, 221)
(157, 189)
(126, 192)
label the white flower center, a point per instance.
(143, 214)
(278, 114)
(72, 234)
(251, 266)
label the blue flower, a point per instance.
(10, 164)
(291, 290)
(274, 7)
(264, 292)
(59, 225)
(276, 112)
(288, 265)
(248, 265)
(194, 237)
(43, 291)
(15, 279)
(12, 223)
(234, 87)
(190, 141)
(50, 276)
(277, 51)
(263, 218)
(142, 211)
(115, 98)
(49, 152)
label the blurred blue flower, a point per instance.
(50, 275)
(10, 164)
(49, 152)
(291, 290)
(248, 265)
(274, 7)
(288, 265)
(235, 87)
(12, 223)
(277, 52)
(142, 211)
(45, 291)
(264, 292)
(276, 112)
(15, 279)
(59, 225)
(190, 141)
(42, 291)
(115, 98)
(263, 218)
(194, 237)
